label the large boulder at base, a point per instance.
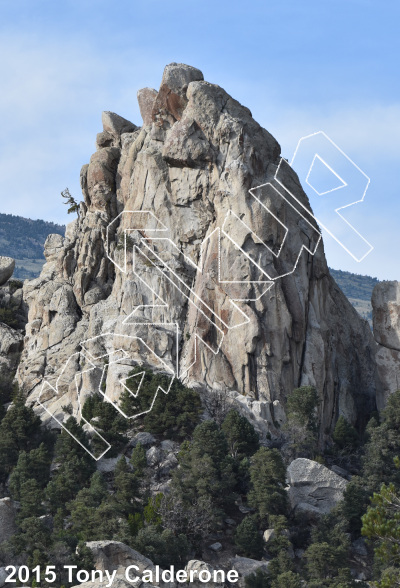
(7, 266)
(114, 555)
(7, 519)
(196, 566)
(246, 566)
(313, 488)
(386, 321)
(118, 582)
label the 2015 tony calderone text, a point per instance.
(132, 573)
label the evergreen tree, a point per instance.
(301, 428)
(138, 460)
(70, 202)
(381, 524)
(163, 548)
(33, 465)
(267, 474)
(19, 431)
(240, 434)
(248, 538)
(205, 467)
(126, 487)
(174, 415)
(345, 434)
(383, 445)
(76, 467)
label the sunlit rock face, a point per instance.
(184, 178)
(386, 321)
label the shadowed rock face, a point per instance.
(386, 321)
(192, 165)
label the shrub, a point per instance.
(248, 538)
(240, 434)
(267, 475)
(345, 435)
(174, 415)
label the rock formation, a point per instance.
(7, 266)
(7, 518)
(177, 192)
(313, 488)
(386, 321)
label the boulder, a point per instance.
(3, 575)
(196, 567)
(116, 125)
(114, 555)
(313, 488)
(146, 98)
(246, 566)
(177, 76)
(106, 465)
(268, 535)
(7, 266)
(154, 456)
(145, 439)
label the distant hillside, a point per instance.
(354, 285)
(358, 290)
(23, 239)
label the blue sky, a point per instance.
(300, 67)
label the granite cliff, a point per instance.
(229, 287)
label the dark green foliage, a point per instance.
(14, 285)
(323, 560)
(84, 509)
(126, 487)
(138, 459)
(9, 317)
(381, 524)
(76, 466)
(174, 415)
(267, 474)
(109, 421)
(240, 434)
(31, 497)
(163, 548)
(19, 431)
(33, 535)
(151, 511)
(301, 406)
(354, 504)
(248, 538)
(206, 468)
(135, 523)
(33, 465)
(383, 446)
(301, 428)
(258, 579)
(329, 550)
(345, 434)
(287, 580)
